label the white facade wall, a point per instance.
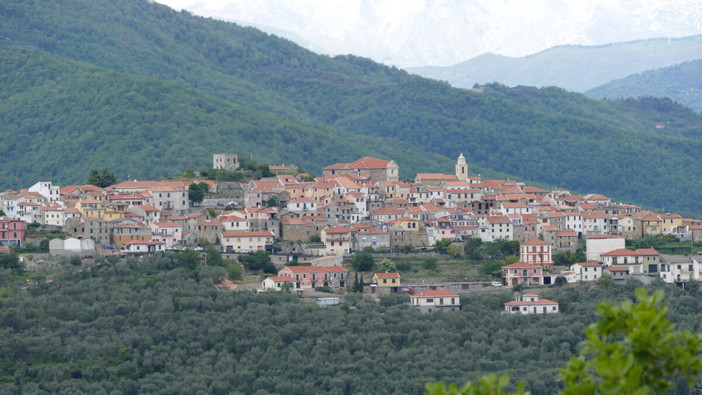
(574, 222)
(597, 247)
(46, 189)
(440, 301)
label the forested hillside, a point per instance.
(149, 326)
(682, 83)
(76, 116)
(170, 89)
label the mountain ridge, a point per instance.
(573, 67)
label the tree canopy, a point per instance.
(158, 324)
(102, 180)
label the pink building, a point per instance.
(523, 273)
(305, 277)
(12, 231)
(537, 252)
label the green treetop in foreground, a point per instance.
(632, 349)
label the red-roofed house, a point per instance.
(624, 258)
(242, 242)
(376, 169)
(537, 252)
(337, 240)
(436, 300)
(305, 277)
(619, 274)
(531, 303)
(123, 233)
(433, 179)
(276, 282)
(386, 280)
(523, 273)
(143, 247)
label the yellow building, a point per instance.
(670, 222)
(386, 279)
(406, 223)
(90, 208)
(652, 224)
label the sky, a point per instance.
(407, 33)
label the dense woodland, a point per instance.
(147, 91)
(158, 325)
(682, 83)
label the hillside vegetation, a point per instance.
(681, 83)
(152, 326)
(149, 91)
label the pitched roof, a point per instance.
(247, 234)
(536, 242)
(595, 237)
(434, 293)
(617, 268)
(166, 224)
(388, 275)
(369, 163)
(281, 278)
(521, 265)
(307, 269)
(588, 264)
(337, 229)
(537, 302)
(621, 252)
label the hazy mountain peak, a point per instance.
(421, 32)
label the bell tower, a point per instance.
(461, 168)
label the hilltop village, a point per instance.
(312, 227)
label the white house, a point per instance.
(599, 244)
(143, 247)
(531, 303)
(586, 271)
(435, 300)
(47, 189)
(276, 282)
(302, 205)
(679, 268)
(574, 221)
(624, 258)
